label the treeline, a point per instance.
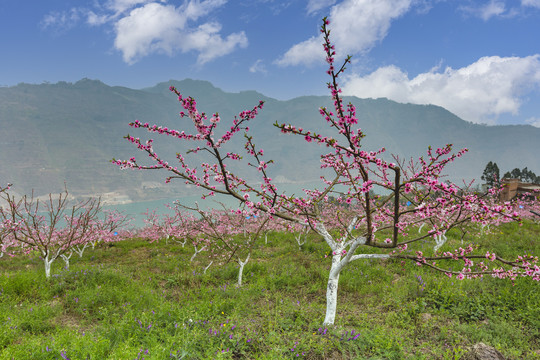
(491, 175)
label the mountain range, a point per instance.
(65, 134)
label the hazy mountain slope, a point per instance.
(56, 133)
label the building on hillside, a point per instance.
(514, 187)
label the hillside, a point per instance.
(68, 132)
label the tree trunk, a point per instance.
(47, 264)
(241, 270)
(338, 264)
(80, 250)
(299, 240)
(332, 290)
(196, 252)
(206, 268)
(440, 240)
(66, 259)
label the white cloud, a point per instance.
(112, 10)
(120, 6)
(479, 92)
(258, 66)
(357, 25)
(210, 45)
(534, 122)
(153, 27)
(61, 20)
(500, 8)
(493, 8)
(486, 11)
(194, 9)
(307, 52)
(162, 28)
(533, 3)
(95, 20)
(316, 5)
(144, 27)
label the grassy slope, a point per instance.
(135, 300)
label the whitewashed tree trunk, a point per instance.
(241, 270)
(302, 233)
(180, 242)
(484, 229)
(299, 240)
(47, 264)
(338, 264)
(206, 268)
(66, 259)
(342, 254)
(80, 250)
(196, 252)
(332, 290)
(338, 250)
(440, 240)
(175, 239)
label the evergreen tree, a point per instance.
(528, 176)
(523, 175)
(491, 174)
(516, 174)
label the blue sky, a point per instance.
(479, 59)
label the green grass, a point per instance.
(135, 299)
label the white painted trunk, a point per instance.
(47, 264)
(80, 250)
(338, 264)
(66, 259)
(196, 252)
(241, 270)
(180, 242)
(440, 240)
(484, 229)
(206, 268)
(332, 290)
(299, 240)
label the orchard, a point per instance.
(373, 213)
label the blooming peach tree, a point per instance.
(229, 234)
(7, 241)
(109, 227)
(378, 201)
(52, 227)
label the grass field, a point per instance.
(134, 299)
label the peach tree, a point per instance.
(378, 201)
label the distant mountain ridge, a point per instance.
(68, 132)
